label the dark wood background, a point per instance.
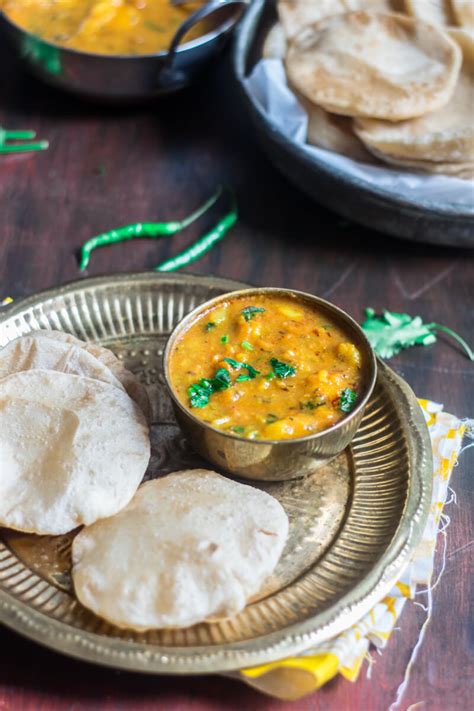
(108, 167)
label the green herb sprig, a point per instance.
(389, 332)
(253, 372)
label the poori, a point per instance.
(375, 65)
(190, 547)
(72, 449)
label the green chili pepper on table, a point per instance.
(199, 248)
(26, 135)
(143, 229)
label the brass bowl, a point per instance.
(273, 460)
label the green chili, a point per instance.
(23, 147)
(26, 135)
(199, 248)
(143, 229)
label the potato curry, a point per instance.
(266, 367)
(103, 26)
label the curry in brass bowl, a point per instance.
(263, 376)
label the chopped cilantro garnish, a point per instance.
(282, 370)
(221, 380)
(225, 338)
(242, 378)
(248, 346)
(249, 312)
(199, 393)
(270, 375)
(253, 372)
(347, 400)
(238, 429)
(270, 418)
(233, 363)
(210, 325)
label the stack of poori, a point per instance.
(389, 80)
(74, 448)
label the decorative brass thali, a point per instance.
(353, 524)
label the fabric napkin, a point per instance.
(344, 654)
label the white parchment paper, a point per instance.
(267, 85)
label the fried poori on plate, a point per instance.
(191, 546)
(129, 381)
(30, 353)
(72, 450)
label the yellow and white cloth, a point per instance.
(345, 653)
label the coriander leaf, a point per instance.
(221, 380)
(248, 346)
(225, 339)
(249, 312)
(253, 372)
(347, 400)
(270, 418)
(389, 332)
(238, 429)
(282, 370)
(242, 378)
(199, 393)
(210, 325)
(233, 363)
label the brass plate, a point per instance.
(353, 524)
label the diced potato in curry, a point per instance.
(266, 367)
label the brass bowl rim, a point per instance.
(192, 316)
(204, 39)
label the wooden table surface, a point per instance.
(108, 167)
